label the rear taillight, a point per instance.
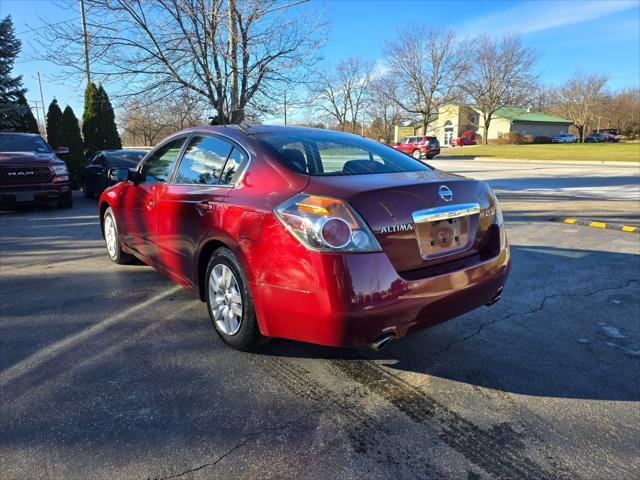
(326, 224)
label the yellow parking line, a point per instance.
(598, 225)
(627, 228)
(569, 220)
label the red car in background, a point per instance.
(462, 141)
(419, 146)
(307, 234)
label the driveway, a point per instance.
(114, 372)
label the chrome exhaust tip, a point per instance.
(496, 297)
(382, 341)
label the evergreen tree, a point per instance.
(10, 87)
(90, 120)
(108, 130)
(55, 135)
(26, 122)
(75, 157)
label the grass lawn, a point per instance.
(623, 152)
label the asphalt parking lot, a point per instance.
(112, 371)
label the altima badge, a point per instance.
(445, 193)
(405, 227)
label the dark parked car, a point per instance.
(30, 171)
(308, 234)
(599, 137)
(419, 146)
(95, 178)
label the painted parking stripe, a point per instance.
(601, 225)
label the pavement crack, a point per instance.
(540, 306)
(248, 438)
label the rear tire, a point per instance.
(229, 301)
(416, 154)
(110, 231)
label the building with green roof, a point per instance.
(453, 119)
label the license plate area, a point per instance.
(24, 197)
(443, 237)
(446, 230)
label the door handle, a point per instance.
(205, 207)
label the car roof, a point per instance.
(124, 150)
(254, 129)
(21, 134)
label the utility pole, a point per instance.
(285, 107)
(37, 112)
(44, 117)
(233, 53)
(85, 38)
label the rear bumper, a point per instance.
(34, 193)
(361, 296)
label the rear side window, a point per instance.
(232, 168)
(157, 167)
(203, 161)
(333, 153)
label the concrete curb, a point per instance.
(601, 225)
(525, 160)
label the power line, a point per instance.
(46, 26)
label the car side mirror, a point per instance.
(61, 150)
(119, 174)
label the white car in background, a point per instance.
(564, 138)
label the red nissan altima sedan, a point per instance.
(307, 234)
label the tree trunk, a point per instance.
(425, 117)
(581, 133)
(487, 124)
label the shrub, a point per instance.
(509, 138)
(468, 134)
(543, 139)
(528, 139)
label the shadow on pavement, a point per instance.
(558, 332)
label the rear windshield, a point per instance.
(324, 153)
(23, 143)
(125, 159)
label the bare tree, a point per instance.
(428, 66)
(623, 110)
(384, 111)
(578, 99)
(500, 76)
(144, 124)
(340, 93)
(235, 54)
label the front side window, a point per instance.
(157, 167)
(333, 153)
(203, 161)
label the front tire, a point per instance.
(229, 301)
(110, 231)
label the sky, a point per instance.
(595, 36)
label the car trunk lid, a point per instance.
(420, 219)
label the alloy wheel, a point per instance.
(110, 236)
(226, 301)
